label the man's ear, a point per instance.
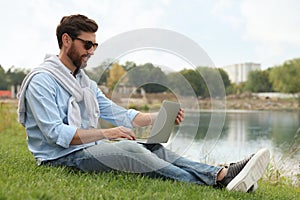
(66, 40)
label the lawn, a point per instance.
(21, 178)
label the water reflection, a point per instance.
(242, 134)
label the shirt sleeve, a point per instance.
(114, 113)
(41, 98)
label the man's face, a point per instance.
(78, 54)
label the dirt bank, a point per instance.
(246, 102)
(232, 102)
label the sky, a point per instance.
(229, 31)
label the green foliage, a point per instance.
(3, 82)
(152, 79)
(225, 77)
(144, 108)
(258, 81)
(13, 76)
(195, 80)
(214, 84)
(205, 82)
(286, 78)
(98, 74)
(129, 65)
(180, 83)
(202, 81)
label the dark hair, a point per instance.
(73, 25)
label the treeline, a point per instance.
(204, 81)
(201, 81)
(283, 78)
(13, 76)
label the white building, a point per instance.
(238, 73)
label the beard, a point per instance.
(80, 61)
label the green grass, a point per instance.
(21, 178)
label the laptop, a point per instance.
(163, 125)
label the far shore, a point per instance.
(233, 103)
(230, 104)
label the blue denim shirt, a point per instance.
(49, 134)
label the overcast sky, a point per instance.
(230, 31)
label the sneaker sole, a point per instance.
(251, 173)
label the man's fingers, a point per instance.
(180, 116)
(127, 133)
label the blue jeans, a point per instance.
(149, 159)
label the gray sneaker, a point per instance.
(254, 187)
(243, 176)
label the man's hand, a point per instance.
(142, 119)
(118, 132)
(83, 136)
(180, 116)
(146, 119)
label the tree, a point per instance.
(115, 74)
(15, 76)
(179, 84)
(258, 81)
(214, 84)
(195, 80)
(3, 82)
(100, 73)
(129, 65)
(152, 79)
(286, 78)
(226, 80)
(205, 81)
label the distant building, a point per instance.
(238, 73)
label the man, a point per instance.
(60, 106)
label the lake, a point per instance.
(219, 137)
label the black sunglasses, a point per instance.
(87, 43)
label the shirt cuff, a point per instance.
(66, 135)
(132, 113)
